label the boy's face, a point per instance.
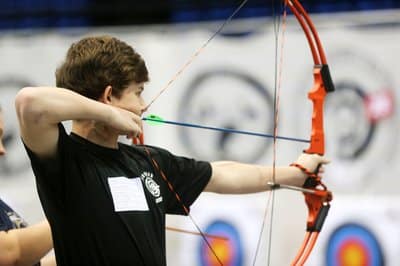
(131, 99)
(2, 149)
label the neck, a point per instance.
(96, 132)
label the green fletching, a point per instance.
(153, 119)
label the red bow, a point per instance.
(317, 196)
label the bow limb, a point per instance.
(318, 202)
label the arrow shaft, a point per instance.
(183, 124)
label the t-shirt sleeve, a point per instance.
(48, 172)
(188, 178)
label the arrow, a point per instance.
(156, 120)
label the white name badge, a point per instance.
(127, 194)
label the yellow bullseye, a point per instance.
(222, 250)
(353, 254)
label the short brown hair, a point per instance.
(93, 63)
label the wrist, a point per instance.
(297, 172)
(306, 172)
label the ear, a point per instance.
(106, 97)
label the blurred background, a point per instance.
(231, 84)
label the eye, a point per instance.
(139, 92)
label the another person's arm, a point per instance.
(25, 246)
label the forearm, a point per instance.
(53, 105)
(238, 178)
(34, 242)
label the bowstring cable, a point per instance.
(174, 78)
(195, 55)
(277, 87)
(185, 209)
(277, 94)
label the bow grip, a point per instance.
(311, 182)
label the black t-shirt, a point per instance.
(79, 204)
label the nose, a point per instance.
(143, 107)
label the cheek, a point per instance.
(131, 103)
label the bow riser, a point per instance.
(317, 96)
(322, 85)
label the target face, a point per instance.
(229, 251)
(16, 160)
(360, 120)
(355, 245)
(231, 100)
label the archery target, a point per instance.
(360, 120)
(16, 160)
(359, 230)
(229, 251)
(236, 218)
(247, 106)
(353, 130)
(355, 245)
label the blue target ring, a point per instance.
(229, 251)
(353, 244)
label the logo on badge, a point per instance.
(151, 185)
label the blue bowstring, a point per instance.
(224, 129)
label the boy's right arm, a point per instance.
(40, 109)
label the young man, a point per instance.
(106, 202)
(19, 244)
